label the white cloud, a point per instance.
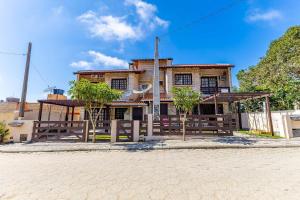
(258, 15)
(100, 60)
(147, 13)
(82, 64)
(58, 10)
(109, 27)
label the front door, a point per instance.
(163, 109)
(137, 113)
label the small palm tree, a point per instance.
(185, 98)
(3, 131)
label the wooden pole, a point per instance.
(67, 114)
(269, 115)
(216, 105)
(72, 116)
(25, 82)
(40, 111)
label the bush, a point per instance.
(3, 131)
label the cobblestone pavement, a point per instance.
(174, 174)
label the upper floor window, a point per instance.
(209, 82)
(183, 79)
(119, 84)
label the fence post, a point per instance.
(150, 125)
(113, 137)
(136, 130)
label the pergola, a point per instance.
(238, 98)
(65, 103)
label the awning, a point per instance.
(163, 97)
(235, 97)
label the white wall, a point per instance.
(282, 124)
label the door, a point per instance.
(163, 109)
(137, 113)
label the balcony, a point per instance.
(213, 90)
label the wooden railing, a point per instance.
(124, 130)
(59, 131)
(221, 125)
(213, 90)
(103, 131)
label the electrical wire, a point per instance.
(205, 17)
(12, 53)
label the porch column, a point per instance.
(67, 114)
(40, 111)
(72, 116)
(269, 115)
(216, 104)
(239, 115)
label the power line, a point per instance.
(205, 17)
(41, 76)
(12, 53)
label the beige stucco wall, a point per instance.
(282, 124)
(25, 129)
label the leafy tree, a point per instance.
(3, 131)
(185, 98)
(278, 72)
(94, 96)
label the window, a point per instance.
(119, 84)
(119, 113)
(209, 82)
(183, 79)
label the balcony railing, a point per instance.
(213, 90)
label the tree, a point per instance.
(278, 72)
(185, 98)
(3, 131)
(95, 96)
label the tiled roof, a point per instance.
(150, 59)
(128, 103)
(205, 66)
(149, 97)
(109, 71)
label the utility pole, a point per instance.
(156, 89)
(25, 82)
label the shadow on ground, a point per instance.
(234, 140)
(144, 146)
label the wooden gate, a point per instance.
(125, 131)
(102, 130)
(71, 131)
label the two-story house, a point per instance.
(136, 82)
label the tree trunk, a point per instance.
(94, 131)
(183, 127)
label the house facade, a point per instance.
(136, 84)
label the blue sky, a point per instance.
(104, 34)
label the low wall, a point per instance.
(282, 124)
(25, 129)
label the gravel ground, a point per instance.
(173, 174)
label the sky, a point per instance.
(71, 35)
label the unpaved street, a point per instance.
(169, 174)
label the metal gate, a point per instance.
(125, 131)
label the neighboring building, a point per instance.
(136, 82)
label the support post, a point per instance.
(156, 87)
(67, 114)
(72, 116)
(40, 111)
(25, 82)
(113, 136)
(216, 104)
(239, 120)
(136, 130)
(269, 115)
(150, 125)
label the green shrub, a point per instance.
(3, 131)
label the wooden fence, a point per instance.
(59, 131)
(125, 131)
(102, 131)
(221, 125)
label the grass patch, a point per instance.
(262, 134)
(107, 137)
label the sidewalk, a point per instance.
(200, 143)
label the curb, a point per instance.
(131, 149)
